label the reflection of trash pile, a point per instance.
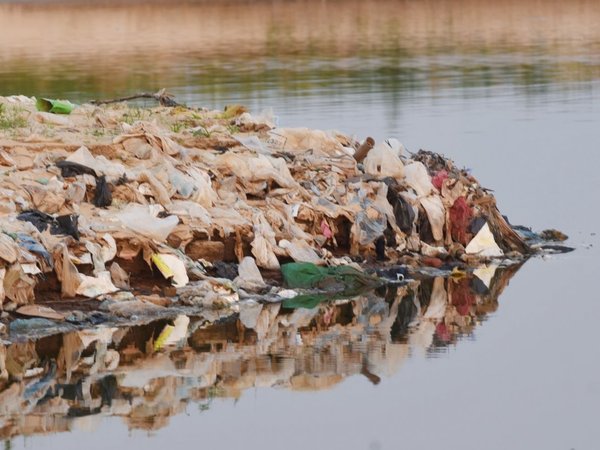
(146, 374)
(158, 206)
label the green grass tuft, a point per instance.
(11, 117)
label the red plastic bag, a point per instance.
(460, 218)
(439, 178)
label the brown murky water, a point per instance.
(509, 88)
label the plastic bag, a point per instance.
(257, 168)
(183, 184)
(139, 219)
(100, 164)
(191, 209)
(460, 215)
(369, 224)
(300, 251)
(172, 268)
(204, 195)
(383, 161)
(484, 244)
(439, 178)
(302, 139)
(266, 117)
(253, 143)
(436, 214)
(54, 106)
(119, 276)
(159, 191)
(83, 157)
(309, 276)
(95, 286)
(417, 177)
(9, 250)
(264, 244)
(249, 276)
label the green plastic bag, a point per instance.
(306, 301)
(54, 106)
(312, 300)
(339, 278)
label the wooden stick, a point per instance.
(164, 98)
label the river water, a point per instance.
(509, 89)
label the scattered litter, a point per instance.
(119, 276)
(54, 106)
(90, 216)
(66, 224)
(140, 219)
(553, 235)
(102, 195)
(384, 161)
(339, 278)
(484, 244)
(249, 277)
(172, 268)
(363, 150)
(93, 287)
(40, 311)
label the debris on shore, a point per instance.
(140, 211)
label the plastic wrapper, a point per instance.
(383, 161)
(139, 219)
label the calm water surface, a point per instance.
(509, 89)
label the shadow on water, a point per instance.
(74, 380)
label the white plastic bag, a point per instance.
(484, 244)
(138, 218)
(249, 276)
(436, 214)
(384, 161)
(300, 251)
(95, 286)
(417, 177)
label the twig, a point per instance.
(164, 98)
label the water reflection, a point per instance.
(72, 381)
(204, 51)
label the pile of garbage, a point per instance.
(144, 209)
(145, 374)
